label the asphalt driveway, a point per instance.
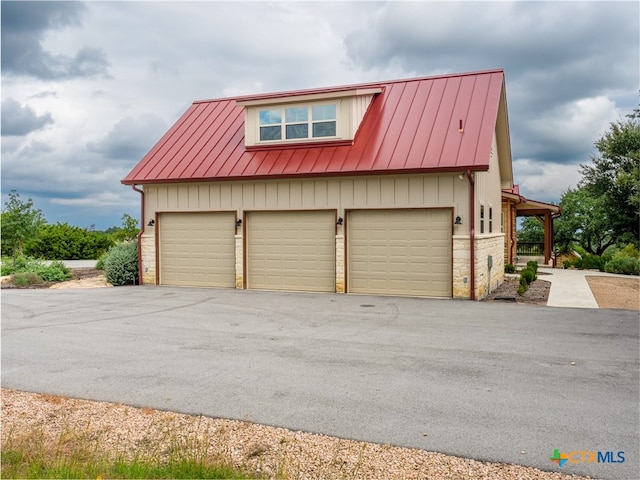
(498, 382)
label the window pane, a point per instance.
(300, 130)
(324, 112)
(269, 117)
(324, 129)
(296, 114)
(270, 133)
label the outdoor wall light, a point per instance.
(239, 222)
(151, 223)
(458, 221)
(340, 220)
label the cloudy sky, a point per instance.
(89, 87)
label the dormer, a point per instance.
(305, 118)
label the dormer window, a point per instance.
(298, 123)
(305, 118)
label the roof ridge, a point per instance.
(338, 88)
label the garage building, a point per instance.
(381, 188)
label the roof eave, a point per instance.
(357, 173)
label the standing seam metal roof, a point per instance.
(412, 126)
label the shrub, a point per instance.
(63, 241)
(23, 279)
(629, 251)
(568, 264)
(524, 283)
(533, 265)
(52, 272)
(624, 265)
(100, 262)
(121, 264)
(509, 268)
(10, 265)
(625, 261)
(590, 262)
(47, 271)
(527, 275)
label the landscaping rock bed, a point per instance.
(537, 293)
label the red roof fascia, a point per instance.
(411, 127)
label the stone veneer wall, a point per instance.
(148, 249)
(485, 245)
(461, 272)
(492, 244)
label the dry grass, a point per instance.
(262, 451)
(615, 292)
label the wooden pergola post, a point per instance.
(548, 237)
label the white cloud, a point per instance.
(544, 181)
(579, 122)
(98, 200)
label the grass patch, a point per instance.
(24, 279)
(80, 455)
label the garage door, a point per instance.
(400, 252)
(291, 251)
(197, 249)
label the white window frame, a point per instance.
(310, 122)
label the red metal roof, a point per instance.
(411, 126)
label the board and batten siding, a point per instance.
(401, 191)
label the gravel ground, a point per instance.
(266, 452)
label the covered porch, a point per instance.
(515, 205)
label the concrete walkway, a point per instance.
(569, 288)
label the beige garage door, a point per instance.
(197, 249)
(291, 251)
(400, 252)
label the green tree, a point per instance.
(613, 177)
(531, 230)
(129, 230)
(584, 220)
(20, 221)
